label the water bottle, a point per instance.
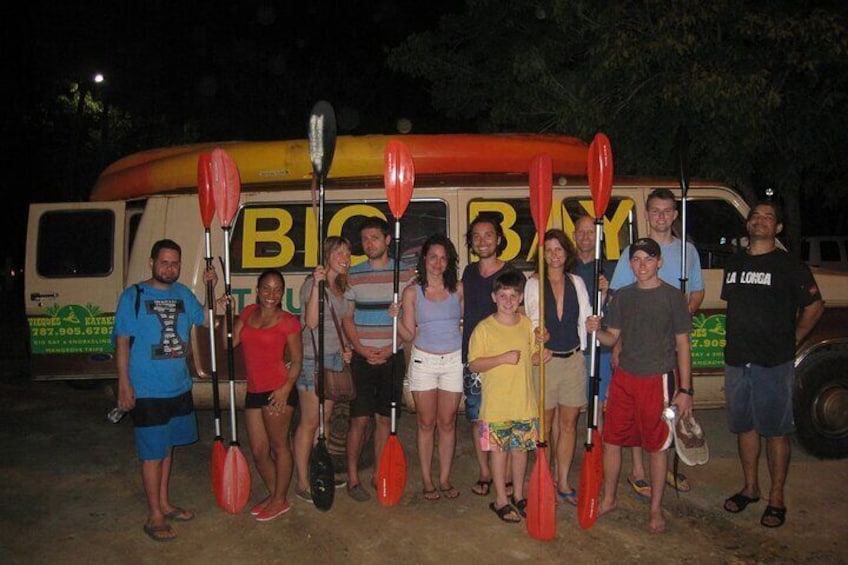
(670, 413)
(115, 415)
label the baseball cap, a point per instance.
(647, 245)
(690, 441)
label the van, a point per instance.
(80, 256)
(826, 251)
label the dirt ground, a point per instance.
(70, 492)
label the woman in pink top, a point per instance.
(267, 333)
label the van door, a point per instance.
(74, 276)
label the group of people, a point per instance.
(481, 336)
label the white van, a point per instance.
(826, 251)
(80, 256)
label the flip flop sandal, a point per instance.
(740, 502)
(156, 533)
(773, 517)
(640, 487)
(432, 494)
(179, 515)
(482, 488)
(449, 492)
(569, 497)
(504, 511)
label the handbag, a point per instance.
(338, 385)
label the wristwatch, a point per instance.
(689, 391)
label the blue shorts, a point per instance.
(471, 387)
(162, 423)
(760, 398)
(605, 374)
(306, 379)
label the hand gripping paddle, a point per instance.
(399, 177)
(541, 498)
(207, 213)
(600, 171)
(226, 190)
(322, 146)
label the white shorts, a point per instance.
(430, 371)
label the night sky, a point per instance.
(214, 70)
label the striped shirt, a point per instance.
(373, 291)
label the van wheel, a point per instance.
(821, 405)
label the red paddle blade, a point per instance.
(541, 499)
(391, 474)
(399, 176)
(204, 189)
(226, 185)
(541, 185)
(216, 467)
(235, 483)
(599, 167)
(591, 476)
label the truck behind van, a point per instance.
(80, 256)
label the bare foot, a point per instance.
(606, 506)
(656, 525)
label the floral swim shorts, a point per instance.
(511, 435)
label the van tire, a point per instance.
(821, 405)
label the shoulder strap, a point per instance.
(138, 291)
(335, 320)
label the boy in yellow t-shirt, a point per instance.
(501, 351)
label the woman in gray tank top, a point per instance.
(431, 318)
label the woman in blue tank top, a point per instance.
(431, 319)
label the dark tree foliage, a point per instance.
(761, 86)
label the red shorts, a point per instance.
(634, 411)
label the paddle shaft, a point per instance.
(210, 305)
(395, 291)
(682, 142)
(230, 354)
(541, 262)
(594, 348)
(322, 293)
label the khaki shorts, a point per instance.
(565, 381)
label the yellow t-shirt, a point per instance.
(507, 390)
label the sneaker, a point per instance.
(304, 495)
(339, 482)
(358, 493)
(267, 515)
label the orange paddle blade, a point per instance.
(219, 455)
(541, 499)
(398, 176)
(204, 189)
(541, 186)
(591, 476)
(226, 185)
(235, 483)
(600, 170)
(391, 474)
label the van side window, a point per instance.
(715, 228)
(284, 235)
(619, 222)
(75, 243)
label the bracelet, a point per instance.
(689, 391)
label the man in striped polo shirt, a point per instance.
(368, 325)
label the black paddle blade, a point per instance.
(322, 138)
(321, 476)
(682, 146)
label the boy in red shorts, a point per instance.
(651, 319)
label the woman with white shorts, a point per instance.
(431, 318)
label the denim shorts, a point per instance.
(306, 379)
(471, 387)
(760, 398)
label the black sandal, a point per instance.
(484, 488)
(773, 512)
(504, 511)
(520, 505)
(740, 502)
